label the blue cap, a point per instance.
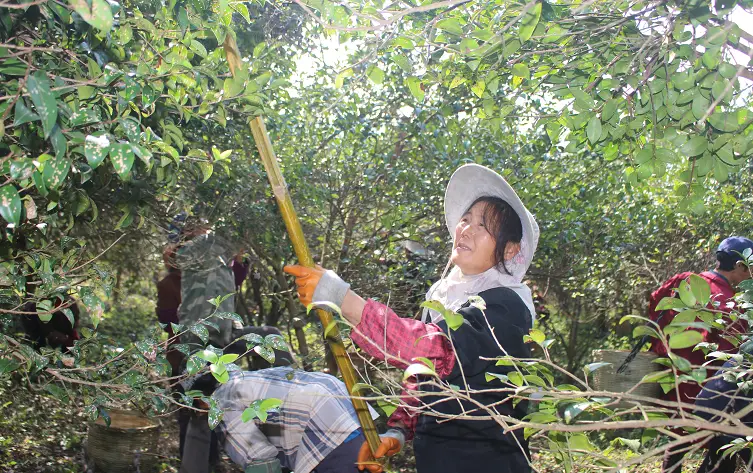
(735, 246)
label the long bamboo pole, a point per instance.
(289, 216)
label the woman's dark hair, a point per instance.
(502, 223)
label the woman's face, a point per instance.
(473, 251)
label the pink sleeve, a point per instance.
(398, 341)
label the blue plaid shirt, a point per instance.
(316, 416)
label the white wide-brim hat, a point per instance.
(472, 181)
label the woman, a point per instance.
(494, 238)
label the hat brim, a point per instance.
(472, 181)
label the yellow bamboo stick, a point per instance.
(289, 216)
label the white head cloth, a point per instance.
(467, 184)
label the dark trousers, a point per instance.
(342, 459)
(672, 462)
(184, 418)
(714, 461)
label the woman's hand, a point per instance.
(391, 443)
(306, 280)
(318, 285)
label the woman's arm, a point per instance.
(385, 336)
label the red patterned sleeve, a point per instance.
(398, 341)
(405, 418)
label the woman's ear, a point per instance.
(511, 250)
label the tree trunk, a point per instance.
(572, 344)
(350, 224)
(116, 290)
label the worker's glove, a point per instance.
(318, 285)
(391, 443)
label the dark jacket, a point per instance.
(725, 396)
(469, 445)
(168, 299)
(58, 332)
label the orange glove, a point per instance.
(318, 284)
(391, 444)
(306, 279)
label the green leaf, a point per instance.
(516, 378)
(21, 168)
(229, 358)
(144, 154)
(207, 169)
(375, 74)
(248, 414)
(200, 331)
(418, 369)
(194, 365)
(683, 290)
(529, 22)
(686, 339)
(132, 129)
(208, 355)
(10, 204)
(44, 101)
(276, 341)
(55, 171)
(265, 352)
(700, 106)
(340, 79)
(403, 42)
(8, 364)
(453, 319)
(609, 109)
(425, 361)
(415, 86)
(724, 121)
(591, 367)
(492, 376)
(403, 62)
(199, 48)
(695, 146)
(234, 86)
(642, 330)
(537, 336)
(670, 303)
(478, 88)
(219, 371)
(84, 117)
(727, 70)
(582, 99)
(253, 339)
(94, 305)
(541, 417)
(450, 25)
(682, 364)
(96, 149)
(215, 414)
(99, 15)
(700, 288)
(593, 129)
(269, 404)
(521, 70)
(23, 114)
(683, 80)
(229, 316)
(121, 157)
